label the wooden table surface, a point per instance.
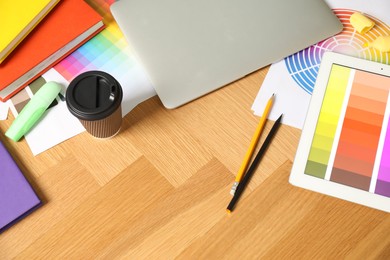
(159, 190)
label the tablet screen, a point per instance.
(351, 141)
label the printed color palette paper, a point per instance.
(351, 143)
(107, 51)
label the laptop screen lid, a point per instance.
(190, 48)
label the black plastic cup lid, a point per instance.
(93, 95)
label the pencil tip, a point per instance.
(229, 211)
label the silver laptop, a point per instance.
(190, 48)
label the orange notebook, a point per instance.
(68, 26)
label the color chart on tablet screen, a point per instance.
(303, 66)
(351, 143)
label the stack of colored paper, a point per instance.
(66, 27)
(18, 18)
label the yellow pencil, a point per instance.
(253, 144)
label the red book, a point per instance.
(66, 27)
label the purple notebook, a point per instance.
(17, 198)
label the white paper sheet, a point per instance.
(3, 110)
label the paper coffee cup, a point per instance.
(95, 98)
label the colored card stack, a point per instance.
(351, 143)
(17, 198)
(18, 19)
(66, 27)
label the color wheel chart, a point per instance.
(303, 66)
(351, 142)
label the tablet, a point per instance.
(344, 150)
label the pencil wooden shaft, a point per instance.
(254, 164)
(255, 140)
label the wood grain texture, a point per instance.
(159, 190)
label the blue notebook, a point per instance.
(17, 197)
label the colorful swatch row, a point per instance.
(351, 143)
